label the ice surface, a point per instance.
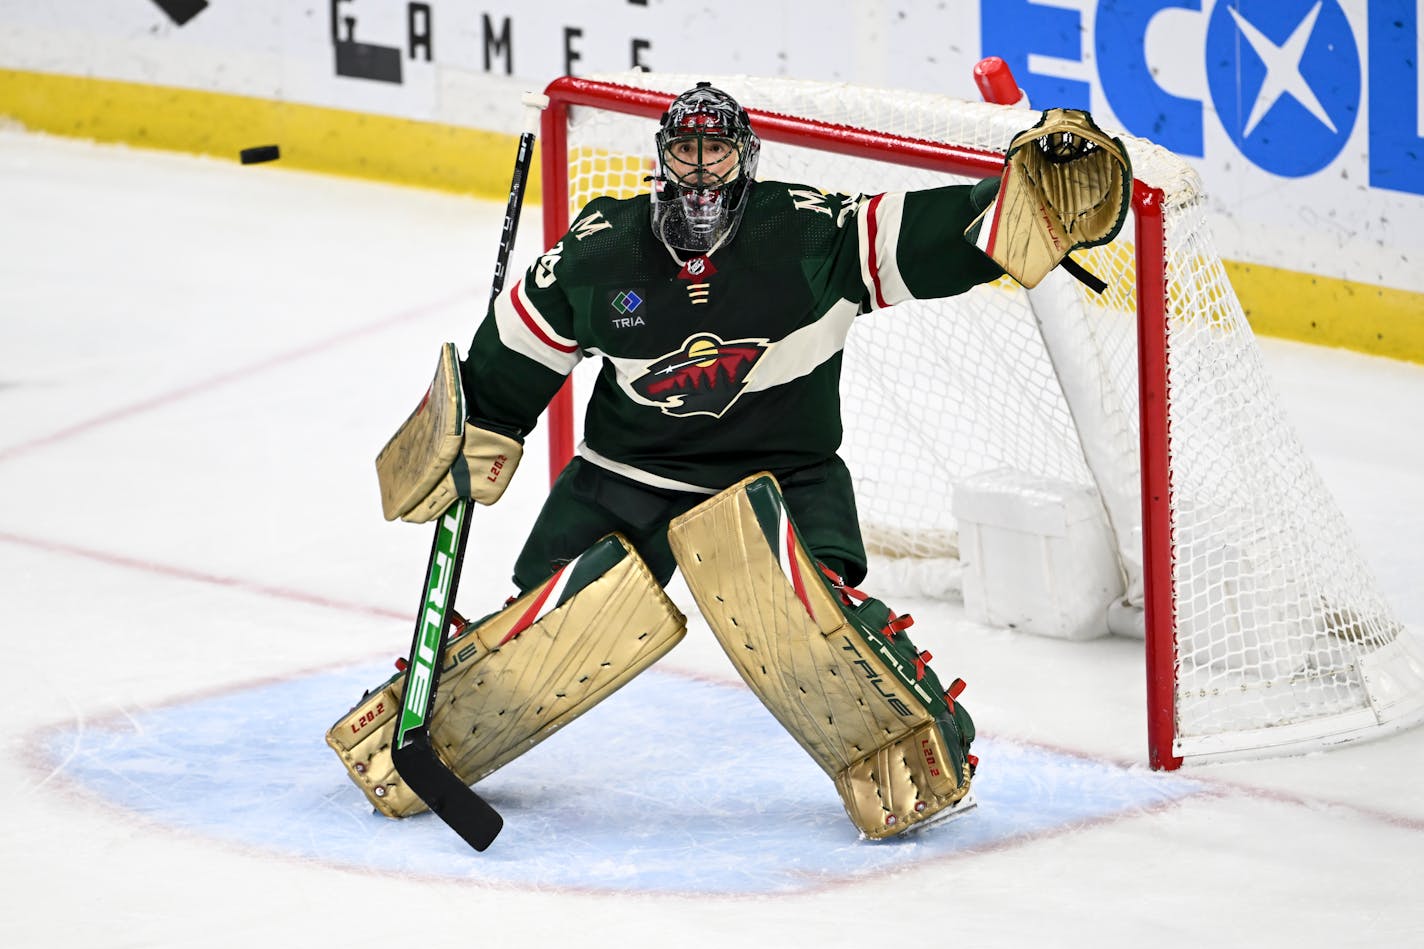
(198, 361)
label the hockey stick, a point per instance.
(414, 757)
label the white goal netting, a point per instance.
(1276, 635)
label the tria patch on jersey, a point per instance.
(704, 377)
(626, 302)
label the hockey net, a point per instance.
(1264, 631)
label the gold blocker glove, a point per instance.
(437, 456)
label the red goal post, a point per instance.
(1179, 324)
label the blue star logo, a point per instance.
(1285, 79)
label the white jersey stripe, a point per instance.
(639, 475)
(800, 353)
(987, 239)
(878, 224)
(523, 329)
(787, 360)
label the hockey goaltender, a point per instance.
(719, 307)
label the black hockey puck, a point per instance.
(260, 153)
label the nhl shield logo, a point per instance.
(704, 377)
(698, 268)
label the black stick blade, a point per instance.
(464, 811)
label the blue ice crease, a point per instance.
(671, 785)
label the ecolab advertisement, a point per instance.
(1303, 116)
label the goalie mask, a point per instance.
(707, 155)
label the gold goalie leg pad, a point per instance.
(521, 674)
(863, 704)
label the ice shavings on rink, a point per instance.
(673, 785)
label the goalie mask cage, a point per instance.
(1264, 630)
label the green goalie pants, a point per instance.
(588, 502)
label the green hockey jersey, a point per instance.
(720, 365)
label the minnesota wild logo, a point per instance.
(704, 377)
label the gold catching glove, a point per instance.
(1066, 184)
